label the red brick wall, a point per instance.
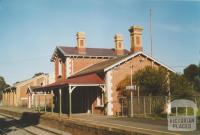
(63, 70)
(136, 49)
(81, 63)
(77, 64)
(23, 90)
(122, 72)
(56, 68)
(119, 52)
(97, 109)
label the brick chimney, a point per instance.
(136, 38)
(119, 50)
(81, 46)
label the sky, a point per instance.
(31, 29)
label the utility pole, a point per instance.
(132, 87)
(131, 75)
(131, 91)
(150, 27)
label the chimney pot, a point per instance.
(136, 38)
(81, 46)
(119, 50)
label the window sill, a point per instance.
(99, 106)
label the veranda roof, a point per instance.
(85, 80)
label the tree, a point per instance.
(179, 86)
(192, 74)
(155, 82)
(122, 86)
(3, 85)
(150, 80)
(199, 69)
(38, 74)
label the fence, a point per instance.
(149, 105)
(42, 101)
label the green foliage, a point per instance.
(38, 74)
(122, 86)
(196, 84)
(179, 86)
(192, 74)
(152, 81)
(3, 85)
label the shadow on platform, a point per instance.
(8, 124)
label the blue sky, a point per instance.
(31, 29)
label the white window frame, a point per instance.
(100, 99)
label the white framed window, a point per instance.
(100, 99)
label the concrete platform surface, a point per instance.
(141, 125)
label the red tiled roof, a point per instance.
(86, 79)
(81, 80)
(89, 51)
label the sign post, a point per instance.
(122, 104)
(131, 88)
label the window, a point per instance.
(100, 99)
(60, 68)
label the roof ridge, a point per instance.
(96, 52)
(131, 55)
(90, 47)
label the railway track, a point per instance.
(13, 126)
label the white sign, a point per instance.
(133, 87)
(180, 122)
